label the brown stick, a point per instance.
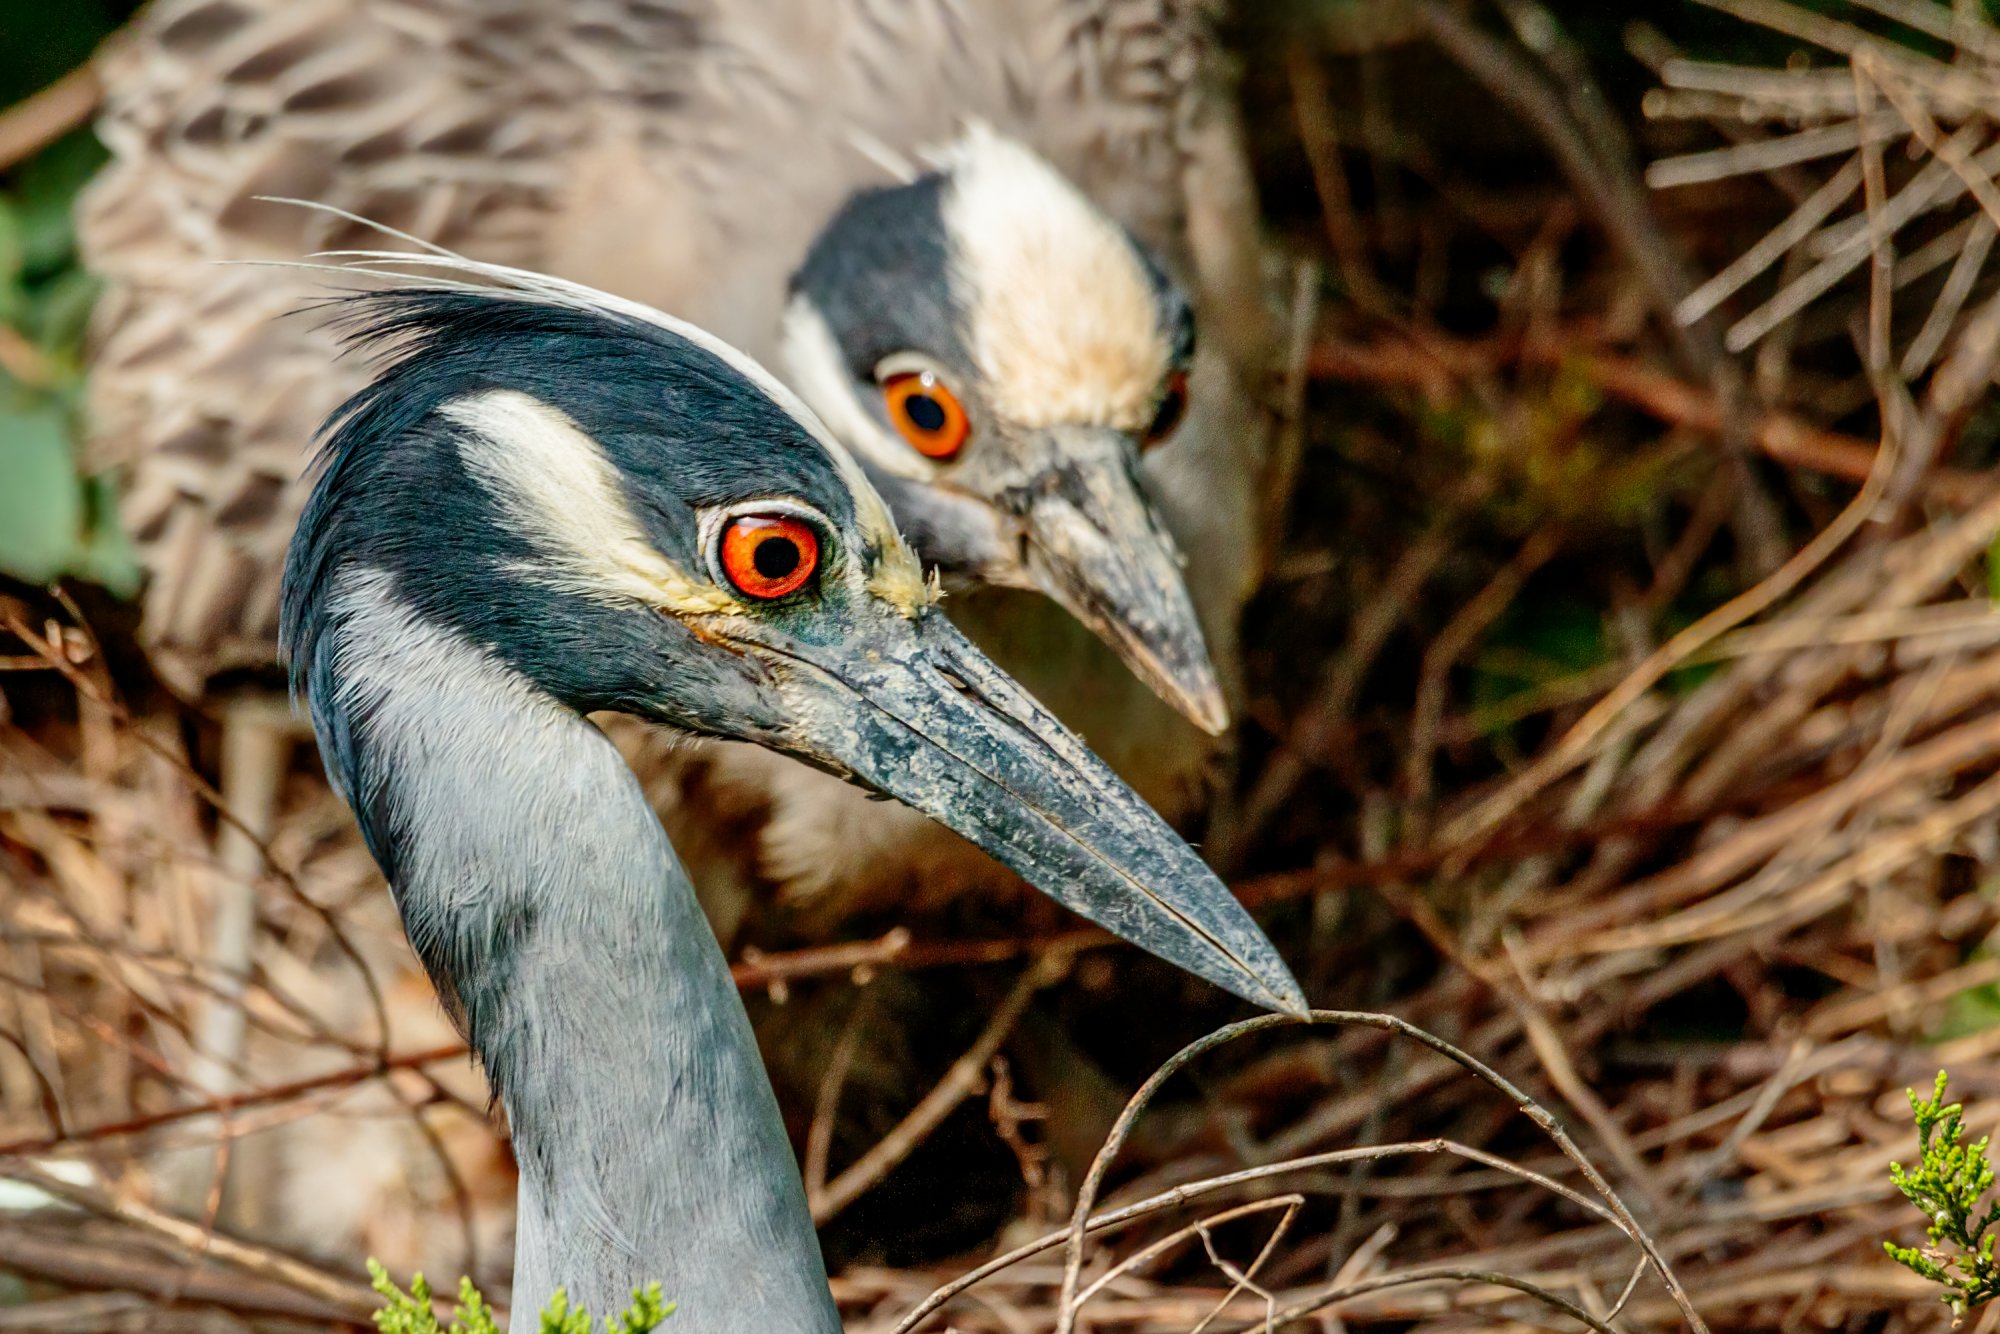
(263, 1097)
(958, 1084)
(273, 1266)
(95, 1266)
(26, 128)
(1094, 1181)
(1666, 398)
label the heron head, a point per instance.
(625, 513)
(1000, 355)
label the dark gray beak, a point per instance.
(913, 710)
(1095, 546)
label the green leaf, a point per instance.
(60, 314)
(41, 504)
(11, 259)
(1974, 1010)
(106, 557)
(46, 193)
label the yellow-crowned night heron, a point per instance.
(552, 502)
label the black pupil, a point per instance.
(1169, 415)
(775, 557)
(924, 412)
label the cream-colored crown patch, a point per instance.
(1064, 322)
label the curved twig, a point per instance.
(1445, 1275)
(1194, 1190)
(1094, 1180)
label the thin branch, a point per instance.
(1122, 1129)
(1447, 1274)
(257, 1261)
(1576, 743)
(26, 128)
(959, 1083)
(1177, 1196)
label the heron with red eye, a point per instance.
(767, 556)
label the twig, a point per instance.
(1319, 136)
(819, 1136)
(1289, 444)
(26, 128)
(1446, 1274)
(1094, 1181)
(1314, 731)
(959, 1083)
(1289, 1203)
(1576, 742)
(1454, 642)
(1786, 439)
(1547, 1045)
(1176, 1196)
(12, 616)
(1762, 155)
(1612, 195)
(759, 969)
(255, 1260)
(121, 1267)
(1774, 245)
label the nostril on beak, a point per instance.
(958, 683)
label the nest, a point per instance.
(1627, 715)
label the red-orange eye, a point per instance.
(769, 555)
(927, 414)
(1173, 407)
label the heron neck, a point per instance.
(540, 890)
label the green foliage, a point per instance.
(412, 1312)
(1973, 1010)
(52, 520)
(1947, 1183)
(646, 1313)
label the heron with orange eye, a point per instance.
(1057, 507)
(928, 415)
(1003, 358)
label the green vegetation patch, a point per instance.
(413, 1312)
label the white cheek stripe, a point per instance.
(555, 484)
(812, 357)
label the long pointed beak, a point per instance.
(1094, 545)
(921, 715)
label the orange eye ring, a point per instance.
(1173, 407)
(929, 415)
(769, 555)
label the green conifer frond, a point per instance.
(412, 1312)
(1947, 1183)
